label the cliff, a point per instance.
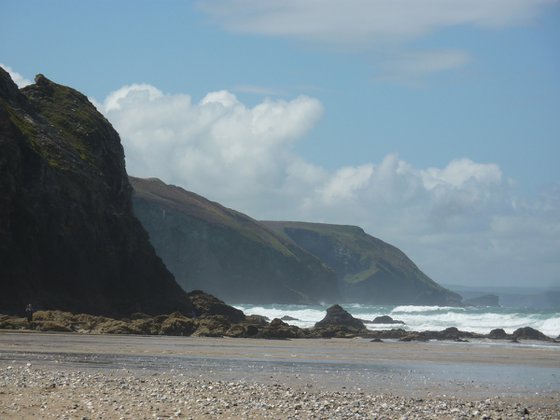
(68, 237)
(221, 251)
(368, 269)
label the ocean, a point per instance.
(420, 318)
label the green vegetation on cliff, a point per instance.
(222, 251)
(368, 269)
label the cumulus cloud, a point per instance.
(19, 80)
(217, 144)
(461, 223)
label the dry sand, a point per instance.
(50, 375)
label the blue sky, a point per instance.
(435, 125)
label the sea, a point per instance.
(421, 318)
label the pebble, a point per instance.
(123, 394)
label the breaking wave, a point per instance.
(419, 318)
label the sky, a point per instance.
(432, 124)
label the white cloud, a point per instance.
(218, 144)
(411, 67)
(461, 223)
(366, 21)
(461, 171)
(19, 80)
(382, 26)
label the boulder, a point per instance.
(338, 317)
(239, 330)
(258, 320)
(206, 304)
(451, 333)
(498, 334)
(50, 326)
(146, 326)
(114, 326)
(393, 334)
(528, 333)
(177, 324)
(212, 326)
(385, 319)
(338, 323)
(279, 329)
(416, 336)
(13, 323)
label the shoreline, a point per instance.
(57, 375)
(407, 378)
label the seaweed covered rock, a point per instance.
(528, 333)
(393, 334)
(212, 326)
(207, 304)
(279, 329)
(258, 320)
(451, 333)
(178, 324)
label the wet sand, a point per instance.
(517, 376)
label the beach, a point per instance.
(58, 375)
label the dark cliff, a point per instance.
(224, 252)
(368, 269)
(68, 237)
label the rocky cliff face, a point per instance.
(368, 269)
(224, 252)
(68, 237)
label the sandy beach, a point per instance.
(53, 375)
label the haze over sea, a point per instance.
(419, 318)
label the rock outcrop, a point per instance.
(368, 269)
(451, 333)
(498, 334)
(385, 319)
(206, 304)
(528, 333)
(339, 323)
(224, 252)
(68, 237)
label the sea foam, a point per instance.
(420, 318)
